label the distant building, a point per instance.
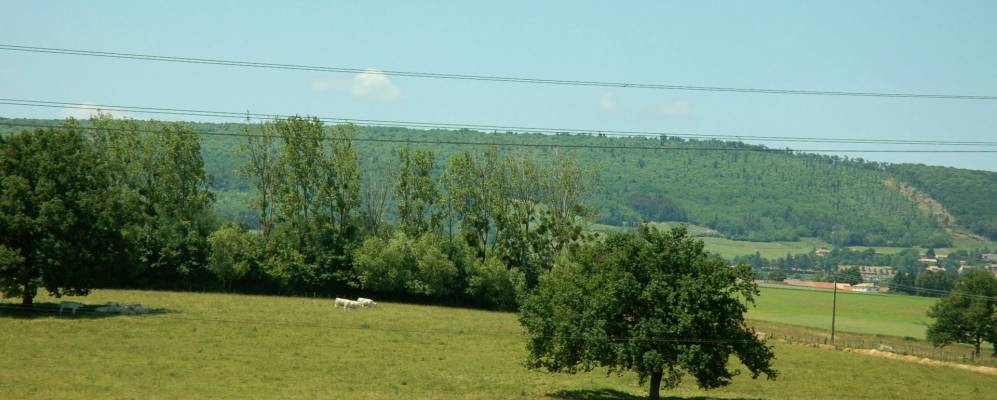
(822, 251)
(935, 268)
(876, 273)
(928, 260)
(872, 273)
(989, 256)
(865, 288)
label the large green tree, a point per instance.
(651, 302)
(159, 172)
(416, 191)
(307, 181)
(968, 314)
(59, 217)
(264, 172)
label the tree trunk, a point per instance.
(655, 386)
(28, 300)
(976, 354)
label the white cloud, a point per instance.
(373, 84)
(369, 84)
(607, 103)
(674, 108)
(84, 111)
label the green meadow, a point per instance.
(218, 346)
(882, 314)
(728, 248)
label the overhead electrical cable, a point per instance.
(483, 127)
(488, 78)
(506, 143)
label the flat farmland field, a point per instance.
(882, 314)
(211, 346)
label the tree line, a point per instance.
(122, 203)
(754, 194)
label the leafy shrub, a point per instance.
(492, 283)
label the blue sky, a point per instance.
(902, 46)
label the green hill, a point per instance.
(969, 196)
(752, 194)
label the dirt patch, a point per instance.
(923, 201)
(923, 361)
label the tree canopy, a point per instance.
(968, 314)
(651, 302)
(59, 218)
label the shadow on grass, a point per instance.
(51, 310)
(612, 394)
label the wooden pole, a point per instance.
(834, 306)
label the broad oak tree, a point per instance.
(968, 314)
(651, 302)
(59, 218)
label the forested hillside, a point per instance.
(970, 196)
(750, 193)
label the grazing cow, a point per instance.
(72, 305)
(341, 302)
(366, 302)
(347, 303)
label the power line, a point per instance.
(520, 129)
(505, 144)
(488, 78)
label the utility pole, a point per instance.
(834, 306)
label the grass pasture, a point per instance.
(238, 346)
(883, 314)
(728, 248)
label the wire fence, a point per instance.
(894, 345)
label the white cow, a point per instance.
(342, 302)
(366, 302)
(72, 305)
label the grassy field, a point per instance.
(731, 248)
(959, 242)
(237, 346)
(896, 315)
(728, 248)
